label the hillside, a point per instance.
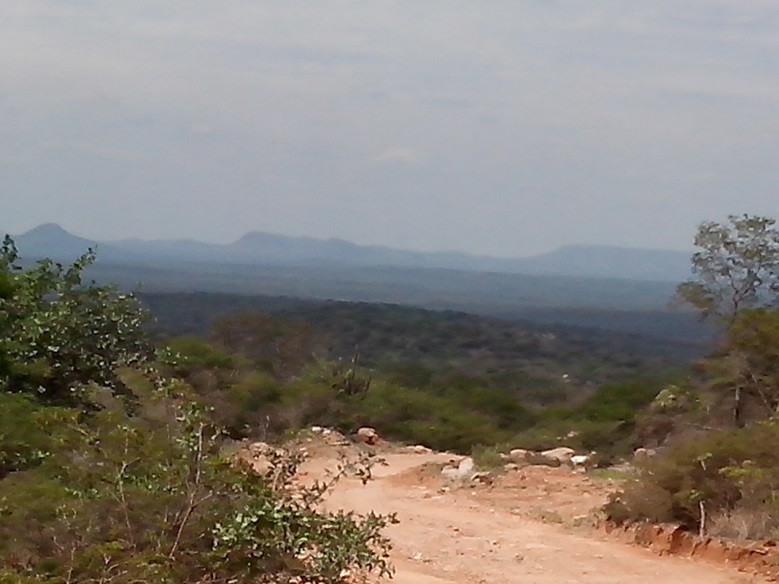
(614, 304)
(259, 248)
(486, 293)
(445, 341)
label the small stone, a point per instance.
(368, 435)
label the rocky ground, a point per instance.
(534, 525)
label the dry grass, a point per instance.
(744, 524)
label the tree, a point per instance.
(6, 293)
(281, 346)
(736, 267)
(58, 336)
(737, 282)
(731, 472)
(746, 366)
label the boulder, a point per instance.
(462, 471)
(419, 449)
(563, 453)
(466, 465)
(519, 455)
(540, 459)
(451, 473)
(258, 456)
(367, 436)
(483, 477)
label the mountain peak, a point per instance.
(259, 237)
(48, 229)
(51, 240)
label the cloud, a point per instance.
(489, 118)
(402, 154)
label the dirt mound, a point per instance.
(757, 557)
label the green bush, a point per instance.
(725, 470)
(195, 354)
(149, 497)
(616, 402)
(24, 436)
(490, 457)
(58, 335)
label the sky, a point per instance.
(502, 127)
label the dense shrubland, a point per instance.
(446, 379)
(262, 383)
(113, 471)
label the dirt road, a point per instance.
(506, 534)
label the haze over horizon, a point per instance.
(52, 227)
(503, 128)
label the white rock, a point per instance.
(450, 473)
(482, 477)
(563, 453)
(466, 465)
(368, 435)
(462, 471)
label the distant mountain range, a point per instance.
(266, 249)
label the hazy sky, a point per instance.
(506, 127)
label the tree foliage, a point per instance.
(58, 335)
(278, 345)
(728, 470)
(743, 374)
(736, 267)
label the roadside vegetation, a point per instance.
(113, 471)
(718, 473)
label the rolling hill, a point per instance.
(266, 249)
